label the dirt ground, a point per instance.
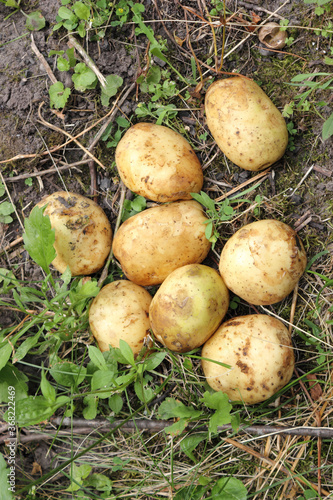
(299, 187)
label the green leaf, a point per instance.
(90, 410)
(59, 95)
(26, 346)
(35, 21)
(39, 238)
(13, 3)
(65, 13)
(99, 482)
(83, 78)
(154, 360)
(68, 374)
(176, 428)
(127, 352)
(10, 376)
(171, 408)
(81, 10)
(328, 128)
(6, 208)
(62, 64)
(71, 57)
(35, 409)
(6, 488)
(189, 443)
(218, 401)
(78, 474)
(113, 82)
(102, 380)
(97, 357)
(139, 203)
(47, 389)
(5, 353)
(116, 403)
(229, 489)
(143, 392)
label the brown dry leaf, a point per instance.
(58, 113)
(255, 18)
(36, 469)
(178, 40)
(315, 389)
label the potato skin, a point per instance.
(258, 349)
(155, 242)
(83, 234)
(245, 123)
(263, 261)
(158, 163)
(120, 311)
(188, 307)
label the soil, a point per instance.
(299, 187)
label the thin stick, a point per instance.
(241, 186)
(271, 462)
(87, 59)
(48, 171)
(34, 155)
(107, 264)
(57, 129)
(43, 61)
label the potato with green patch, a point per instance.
(83, 234)
(263, 261)
(155, 242)
(120, 311)
(188, 307)
(245, 123)
(158, 163)
(259, 352)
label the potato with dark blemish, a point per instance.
(245, 123)
(258, 350)
(158, 163)
(188, 307)
(263, 261)
(83, 234)
(120, 311)
(155, 242)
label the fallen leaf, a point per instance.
(36, 469)
(315, 389)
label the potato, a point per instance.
(188, 307)
(155, 242)
(263, 261)
(120, 311)
(259, 352)
(83, 235)
(158, 163)
(245, 124)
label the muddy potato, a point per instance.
(188, 307)
(245, 123)
(259, 352)
(83, 235)
(155, 242)
(158, 163)
(120, 311)
(263, 261)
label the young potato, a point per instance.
(263, 261)
(158, 163)
(259, 352)
(245, 124)
(155, 242)
(83, 234)
(120, 311)
(188, 307)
